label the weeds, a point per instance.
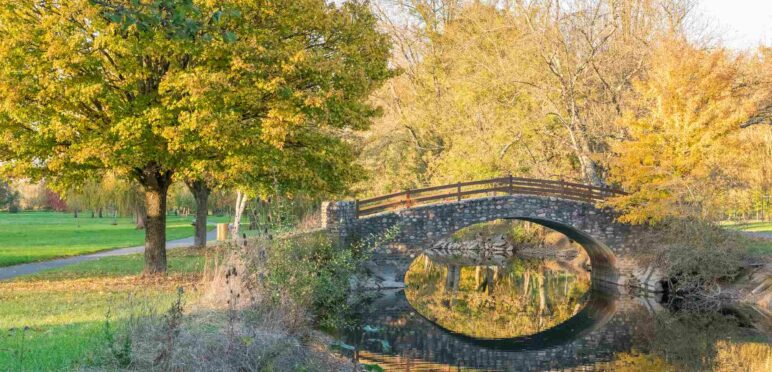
(21, 348)
(236, 325)
(121, 355)
(171, 331)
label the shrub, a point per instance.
(313, 271)
(697, 257)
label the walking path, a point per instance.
(764, 235)
(11, 272)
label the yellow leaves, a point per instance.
(270, 85)
(279, 124)
(314, 101)
(239, 65)
(747, 356)
(678, 146)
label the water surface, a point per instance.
(533, 315)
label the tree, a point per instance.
(531, 88)
(9, 197)
(155, 89)
(681, 150)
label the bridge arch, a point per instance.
(573, 213)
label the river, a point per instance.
(533, 315)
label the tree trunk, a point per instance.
(156, 184)
(526, 284)
(490, 280)
(241, 204)
(200, 192)
(99, 213)
(140, 218)
(592, 172)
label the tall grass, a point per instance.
(259, 306)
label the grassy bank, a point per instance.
(762, 227)
(56, 320)
(37, 236)
(757, 246)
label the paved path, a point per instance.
(755, 234)
(10, 272)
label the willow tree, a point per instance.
(158, 89)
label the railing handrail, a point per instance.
(508, 184)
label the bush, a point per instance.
(697, 257)
(312, 271)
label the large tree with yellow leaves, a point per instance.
(682, 148)
(158, 89)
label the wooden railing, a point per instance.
(466, 190)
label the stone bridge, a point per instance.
(611, 245)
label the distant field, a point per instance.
(756, 227)
(55, 320)
(37, 236)
(750, 226)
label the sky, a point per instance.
(743, 24)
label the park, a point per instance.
(417, 185)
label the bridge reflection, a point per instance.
(495, 301)
(456, 313)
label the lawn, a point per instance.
(55, 320)
(757, 246)
(749, 226)
(765, 227)
(37, 236)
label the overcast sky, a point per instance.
(743, 23)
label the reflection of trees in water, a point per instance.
(689, 341)
(522, 298)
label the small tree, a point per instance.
(158, 88)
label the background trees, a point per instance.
(594, 91)
(9, 197)
(532, 88)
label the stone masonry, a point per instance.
(609, 244)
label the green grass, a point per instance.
(749, 226)
(56, 320)
(756, 247)
(760, 247)
(756, 227)
(38, 236)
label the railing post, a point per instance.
(511, 190)
(563, 193)
(407, 198)
(458, 191)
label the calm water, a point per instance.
(523, 315)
